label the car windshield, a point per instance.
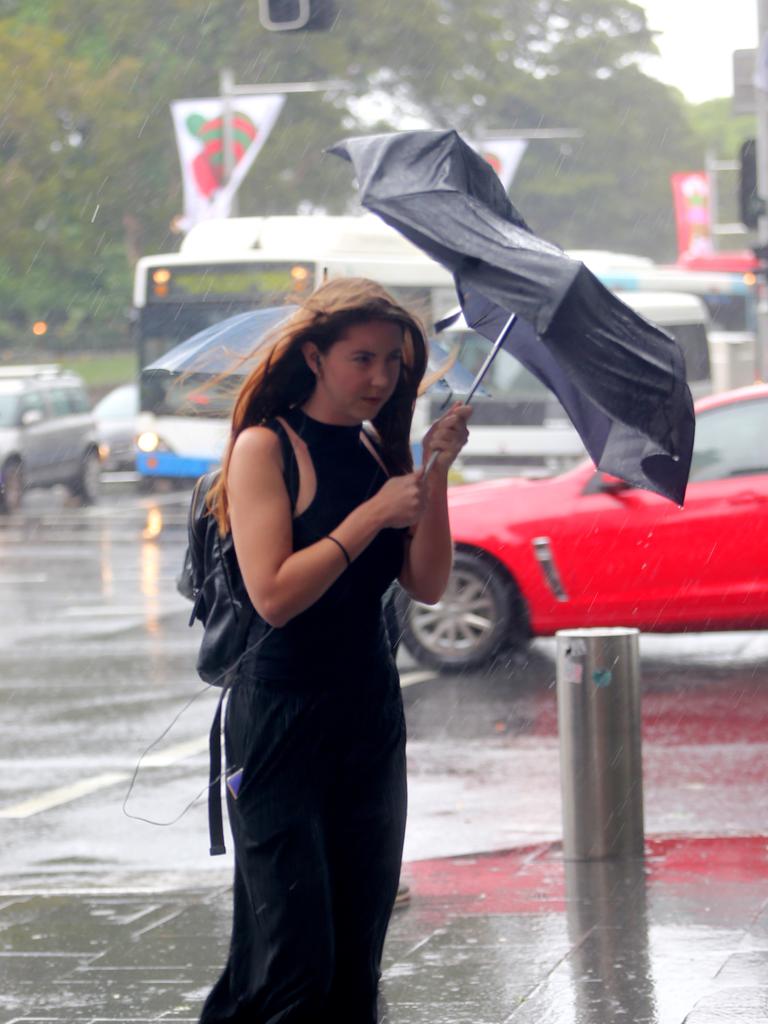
(9, 410)
(730, 441)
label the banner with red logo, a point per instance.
(504, 156)
(199, 126)
(690, 191)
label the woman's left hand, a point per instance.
(447, 436)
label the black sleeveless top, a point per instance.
(342, 635)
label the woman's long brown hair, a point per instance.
(281, 380)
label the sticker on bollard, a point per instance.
(574, 672)
(602, 677)
(574, 669)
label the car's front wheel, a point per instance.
(11, 486)
(87, 484)
(480, 612)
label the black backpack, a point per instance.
(211, 579)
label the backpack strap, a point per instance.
(215, 816)
(290, 462)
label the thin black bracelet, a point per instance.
(329, 536)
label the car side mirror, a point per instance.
(604, 483)
(30, 417)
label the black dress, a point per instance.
(315, 720)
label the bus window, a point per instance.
(506, 377)
(692, 339)
(184, 299)
(514, 395)
(416, 300)
(730, 312)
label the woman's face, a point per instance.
(357, 374)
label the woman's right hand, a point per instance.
(401, 500)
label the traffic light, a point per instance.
(751, 205)
(295, 15)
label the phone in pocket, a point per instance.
(234, 780)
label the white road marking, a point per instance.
(62, 795)
(102, 611)
(164, 758)
(30, 577)
(410, 678)
(66, 794)
(171, 602)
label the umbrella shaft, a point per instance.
(490, 357)
(479, 376)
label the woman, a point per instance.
(324, 517)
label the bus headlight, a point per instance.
(148, 441)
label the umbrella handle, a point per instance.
(479, 376)
(430, 462)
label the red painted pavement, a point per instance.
(532, 879)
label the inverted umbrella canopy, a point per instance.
(224, 348)
(620, 378)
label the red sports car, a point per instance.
(584, 549)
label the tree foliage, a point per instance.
(718, 130)
(90, 177)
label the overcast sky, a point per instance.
(697, 41)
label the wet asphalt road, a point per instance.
(98, 662)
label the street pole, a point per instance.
(761, 111)
(227, 91)
(329, 85)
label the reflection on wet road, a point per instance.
(98, 662)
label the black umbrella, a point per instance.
(620, 378)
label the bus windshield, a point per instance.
(182, 299)
(160, 328)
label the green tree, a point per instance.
(64, 190)
(610, 188)
(88, 160)
(719, 135)
(718, 130)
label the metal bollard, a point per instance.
(598, 711)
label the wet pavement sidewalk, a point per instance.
(517, 936)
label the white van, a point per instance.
(521, 428)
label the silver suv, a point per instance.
(47, 434)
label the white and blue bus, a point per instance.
(729, 296)
(225, 267)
